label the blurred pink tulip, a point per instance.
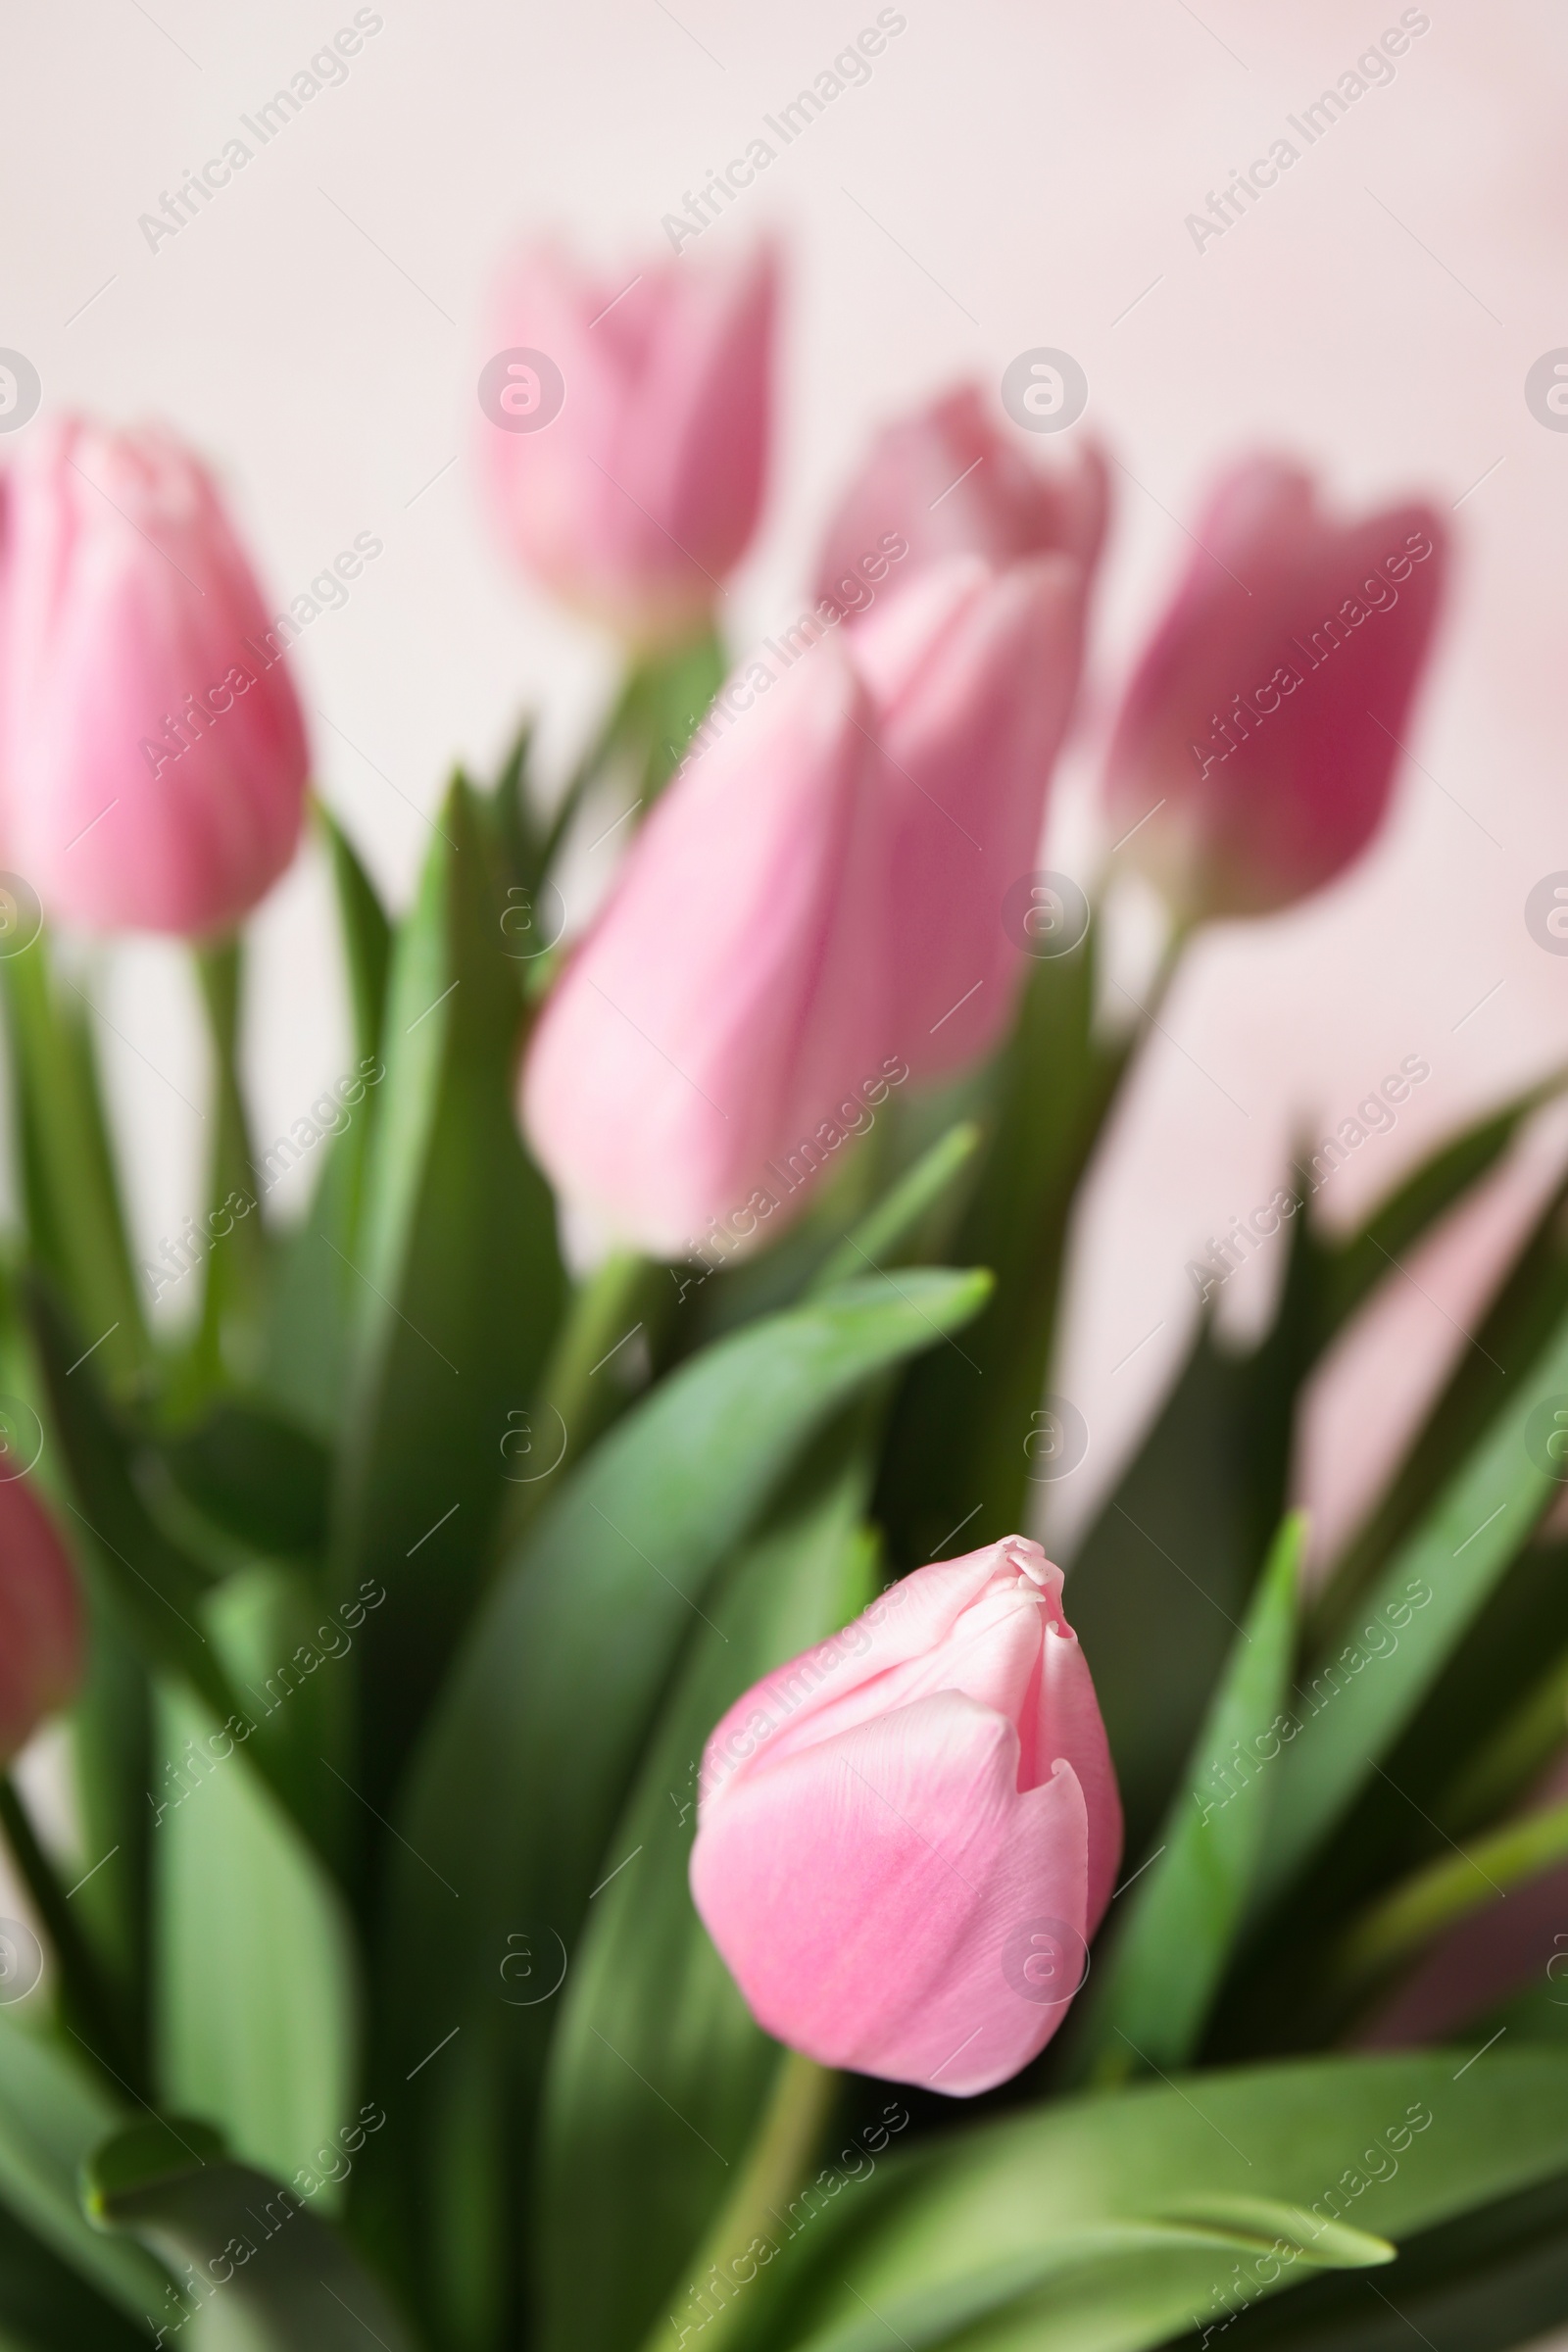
(637, 497)
(812, 913)
(40, 1619)
(152, 754)
(946, 482)
(732, 1000)
(974, 674)
(907, 1837)
(1259, 734)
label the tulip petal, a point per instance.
(876, 1896)
(1261, 731)
(152, 753)
(946, 481)
(733, 993)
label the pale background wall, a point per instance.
(1012, 176)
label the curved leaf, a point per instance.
(1168, 1961)
(1114, 2222)
(459, 1288)
(52, 2112)
(1358, 1704)
(258, 2270)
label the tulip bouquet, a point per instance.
(589, 1820)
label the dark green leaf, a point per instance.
(1168, 1961)
(45, 2306)
(74, 1218)
(963, 1422)
(1492, 2280)
(1497, 1358)
(366, 935)
(256, 1474)
(460, 1289)
(156, 1587)
(1159, 1589)
(230, 1339)
(1121, 2220)
(1356, 1265)
(1358, 1705)
(265, 2274)
(52, 2112)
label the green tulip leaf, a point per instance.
(1118, 2221)
(256, 1474)
(1433, 1589)
(254, 2002)
(459, 1288)
(1166, 1964)
(52, 2111)
(257, 2270)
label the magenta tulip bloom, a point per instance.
(40, 1619)
(151, 755)
(1259, 734)
(947, 482)
(907, 1837)
(636, 498)
(812, 913)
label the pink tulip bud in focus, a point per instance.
(812, 913)
(635, 497)
(1263, 723)
(151, 755)
(907, 1837)
(946, 482)
(974, 674)
(40, 1619)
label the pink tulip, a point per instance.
(151, 755)
(812, 913)
(974, 674)
(946, 481)
(1259, 734)
(907, 1837)
(637, 497)
(40, 1619)
(732, 1001)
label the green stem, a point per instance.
(76, 1223)
(86, 1994)
(1450, 1891)
(781, 2159)
(231, 1301)
(595, 759)
(580, 1394)
(662, 700)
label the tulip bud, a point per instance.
(1260, 733)
(151, 755)
(812, 913)
(948, 482)
(907, 1837)
(636, 499)
(40, 1619)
